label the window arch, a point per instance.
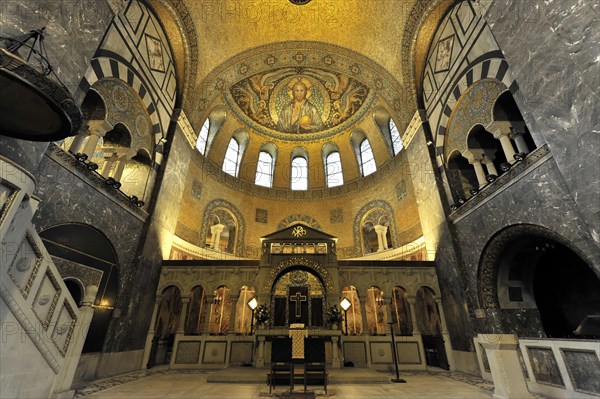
(235, 151)
(364, 153)
(299, 172)
(367, 159)
(397, 144)
(333, 165)
(232, 155)
(203, 137)
(265, 167)
(211, 126)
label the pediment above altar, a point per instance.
(298, 232)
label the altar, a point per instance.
(220, 313)
(332, 347)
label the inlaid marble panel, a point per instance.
(584, 370)
(241, 352)
(188, 352)
(408, 353)
(25, 265)
(214, 352)
(355, 352)
(544, 366)
(381, 352)
(63, 330)
(46, 299)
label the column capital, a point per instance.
(474, 155)
(517, 128)
(499, 128)
(91, 291)
(380, 228)
(99, 127)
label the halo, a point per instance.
(294, 81)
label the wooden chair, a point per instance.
(281, 362)
(314, 361)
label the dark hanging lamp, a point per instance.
(33, 106)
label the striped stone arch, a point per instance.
(490, 68)
(104, 67)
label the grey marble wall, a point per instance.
(66, 197)
(439, 242)
(157, 239)
(74, 30)
(540, 198)
(552, 49)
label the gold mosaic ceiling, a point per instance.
(227, 31)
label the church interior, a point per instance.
(308, 190)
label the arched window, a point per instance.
(203, 137)
(395, 135)
(231, 161)
(264, 170)
(299, 173)
(367, 160)
(333, 169)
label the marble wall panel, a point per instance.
(408, 353)
(381, 352)
(584, 370)
(68, 198)
(241, 352)
(551, 47)
(544, 366)
(74, 30)
(355, 352)
(188, 352)
(539, 198)
(214, 352)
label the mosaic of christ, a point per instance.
(290, 100)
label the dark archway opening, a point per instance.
(566, 291)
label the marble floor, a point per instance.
(193, 384)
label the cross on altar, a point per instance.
(298, 299)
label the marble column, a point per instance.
(501, 351)
(336, 362)
(97, 130)
(151, 332)
(215, 232)
(446, 335)
(182, 315)
(78, 142)
(416, 331)
(518, 135)
(260, 352)
(120, 167)
(491, 168)
(108, 163)
(502, 131)
(381, 238)
(479, 172)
